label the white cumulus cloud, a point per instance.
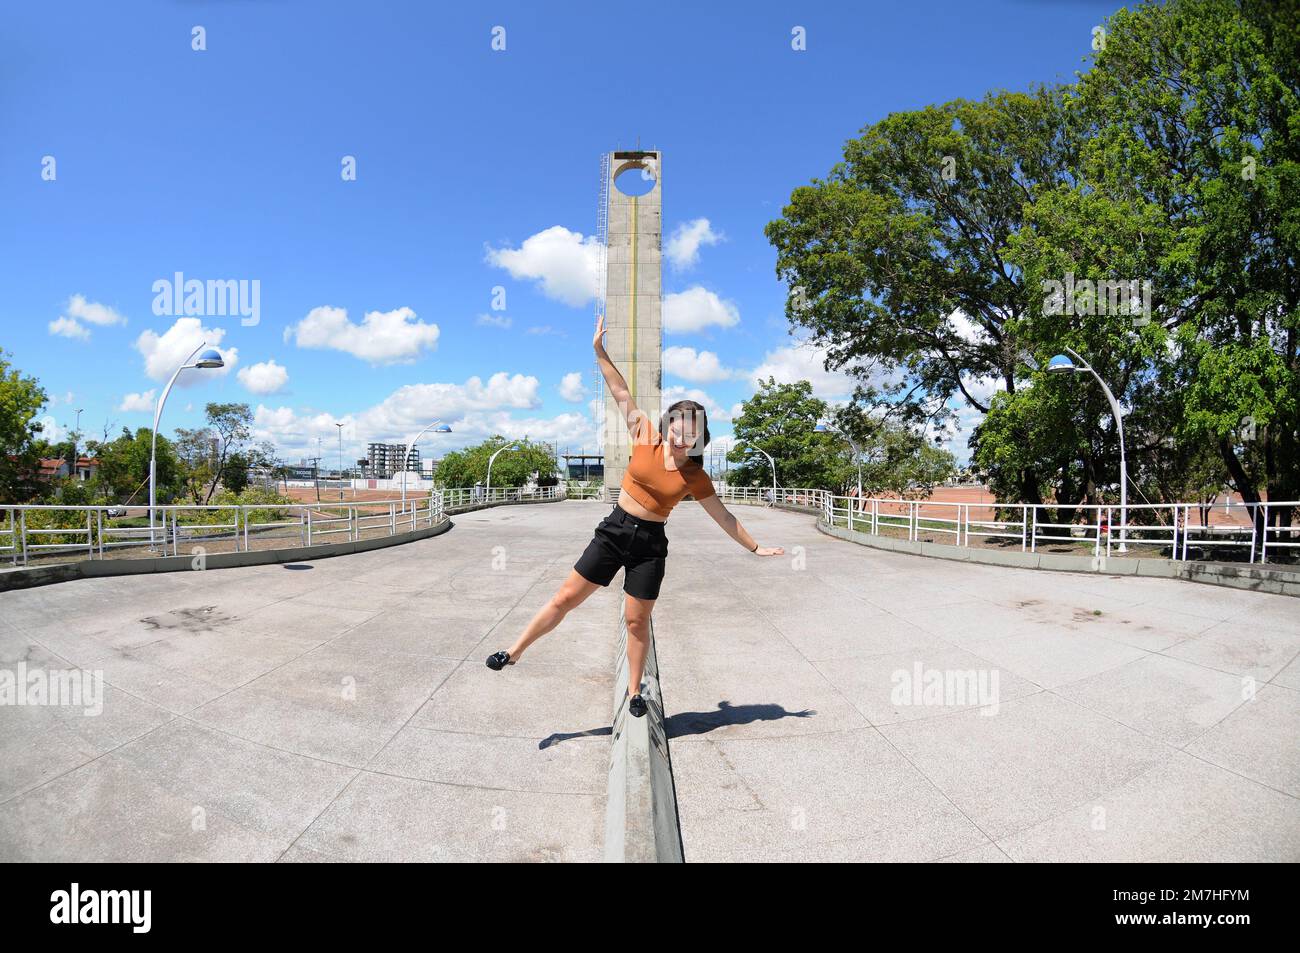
(571, 387)
(296, 432)
(80, 310)
(65, 327)
(382, 337)
(475, 410)
(52, 430)
(411, 407)
(683, 247)
(565, 264)
(982, 388)
(700, 367)
(804, 362)
(970, 331)
(165, 352)
(267, 377)
(697, 308)
(95, 313)
(138, 403)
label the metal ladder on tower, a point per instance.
(602, 241)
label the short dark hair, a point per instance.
(681, 410)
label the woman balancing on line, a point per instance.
(665, 466)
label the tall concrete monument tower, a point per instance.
(633, 295)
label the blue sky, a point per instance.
(476, 169)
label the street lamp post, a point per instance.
(340, 426)
(437, 427)
(76, 440)
(857, 453)
(1060, 364)
(209, 359)
(773, 464)
(491, 460)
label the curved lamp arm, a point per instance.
(153, 445)
(492, 459)
(1114, 404)
(157, 414)
(773, 465)
(406, 457)
(857, 454)
(1123, 462)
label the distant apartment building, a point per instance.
(385, 459)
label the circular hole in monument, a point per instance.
(635, 180)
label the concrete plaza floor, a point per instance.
(340, 710)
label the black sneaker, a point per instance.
(499, 660)
(637, 705)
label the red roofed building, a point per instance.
(54, 468)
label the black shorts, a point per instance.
(639, 546)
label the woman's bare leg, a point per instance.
(571, 594)
(637, 613)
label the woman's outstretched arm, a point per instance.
(614, 380)
(731, 526)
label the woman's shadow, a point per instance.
(697, 722)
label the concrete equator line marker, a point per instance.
(641, 822)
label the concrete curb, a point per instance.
(470, 507)
(641, 823)
(1258, 579)
(797, 508)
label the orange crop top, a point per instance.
(652, 484)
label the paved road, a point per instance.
(343, 711)
(1120, 730)
(337, 710)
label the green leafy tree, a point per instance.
(212, 455)
(514, 467)
(264, 456)
(895, 459)
(124, 466)
(1173, 162)
(781, 419)
(75, 492)
(1032, 434)
(57, 450)
(897, 261)
(198, 463)
(1191, 110)
(232, 424)
(21, 399)
(235, 475)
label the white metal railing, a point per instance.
(1179, 531)
(28, 531)
(479, 496)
